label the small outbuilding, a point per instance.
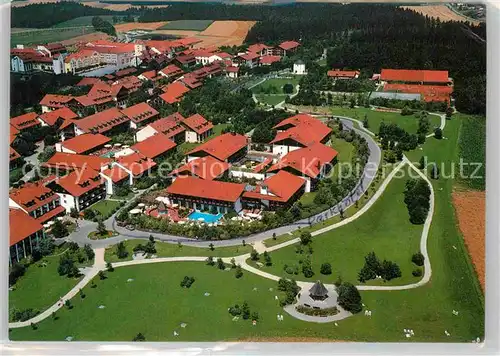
(318, 291)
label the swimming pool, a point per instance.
(208, 218)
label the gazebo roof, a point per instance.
(318, 290)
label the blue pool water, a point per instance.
(208, 218)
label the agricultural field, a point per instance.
(442, 12)
(129, 26)
(187, 25)
(49, 35)
(83, 21)
(473, 150)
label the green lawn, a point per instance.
(279, 239)
(270, 99)
(48, 35)
(409, 123)
(84, 21)
(385, 229)
(40, 287)
(164, 249)
(105, 207)
(187, 25)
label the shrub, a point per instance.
(68, 304)
(139, 337)
(121, 251)
(220, 263)
(235, 310)
(267, 259)
(89, 214)
(255, 316)
(417, 272)
(238, 272)
(102, 275)
(22, 315)
(210, 261)
(418, 259)
(16, 271)
(438, 133)
(317, 312)
(88, 251)
(254, 255)
(326, 268)
(349, 298)
(390, 270)
(307, 268)
(109, 267)
(245, 311)
(187, 282)
(305, 237)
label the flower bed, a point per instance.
(317, 312)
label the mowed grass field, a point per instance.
(48, 35)
(384, 229)
(164, 249)
(409, 123)
(278, 83)
(270, 99)
(187, 25)
(41, 286)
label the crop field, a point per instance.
(129, 26)
(441, 12)
(82, 21)
(192, 25)
(473, 152)
(48, 35)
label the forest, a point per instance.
(48, 15)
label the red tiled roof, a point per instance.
(307, 160)
(414, 76)
(186, 41)
(60, 210)
(281, 187)
(186, 59)
(173, 92)
(86, 142)
(21, 226)
(335, 73)
(233, 69)
(150, 75)
(191, 81)
(55, 100)
(140, 112)
(170, 125)
(116, 173)
(223, 55)
(154, 146)
(25, 121)
(102, 121)
(13, 154)
(89, 81)
(131, 83)
(198, 124)
(206, 189)
(83, 53)
(136, 163)
(257, 47)
(171, 69)
(258, 168)
(304, 129)
(51, 117)
(207, 168)
(31, 196)
(69, 161)
(125, 71)
(269, 59)
(80, 182)
(222, 147)
(288, 45)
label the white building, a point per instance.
(299, 68)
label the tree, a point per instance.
(151, 239)
(326, 268)
(245, 311)
(274, 236)
(68, 304)
(365, 122)
(390, 270)
(449, 112)
(255, 316)
(254, 255)
(288, 88)
(17, 270)
(220, 263)
(82, 295)
(101, 228)
(67, 266)
(89, 214)
(238, 272)
(418, 259)
(121, 251)
(109, 267)
(44, 247)
(73, 213)
(101, 25)
(307, 268)
(233, 263)
(102, 275)
(46, 154)
(417, 272)
(349, 298)
(59, 230)
(211, 247)
(438, 133)
(423, 162)
(139, 337)
(88, 251)
(305, 237)
(210, 261)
